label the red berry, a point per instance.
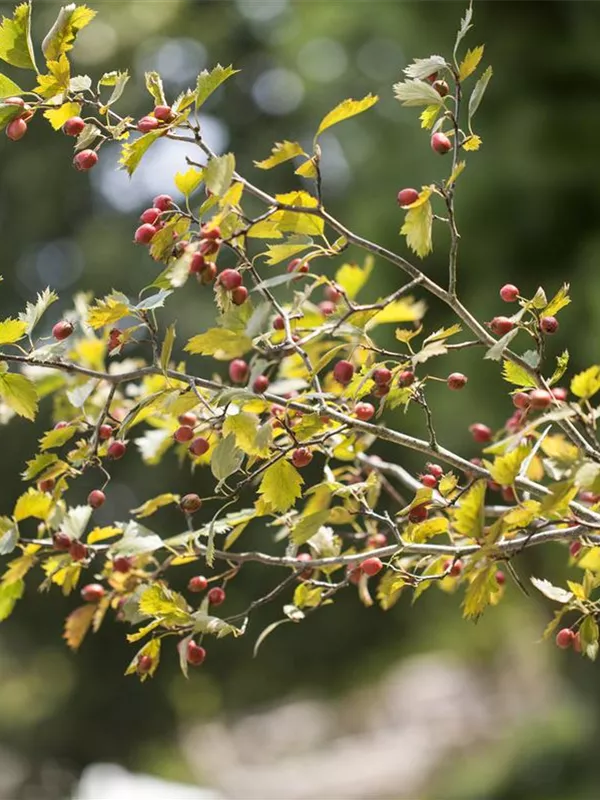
(199, 446)
(198, 263)
(239, 296)
(73, 126)
(62, 330)
(501, 325)
(150, 215)
(559, 393)
(589, 497)
(208, 274)
(509, 293)
(61, 541)
(327, 308)
(60, 425)
(500, 578)
(85, 159)
(163, 113)
(261, 384)
(16, 129)
(577, 643)
(210, 233)
(456, 380)
(278, 323)
(93, 592)
(216, 596)
(77, 550)
(14, 101)
(297, 265)
(184, 434)
(381, 391)
(96, 498)
(301, 457)
(539, 399)
(122, 564)
(508, 494)
(187, 418)
(147, 124)
(548, 325)
(116, 450)
(431, 78)
(354, 575)
(418, 513)
(520, 400)
(564, 638)
(46, 485)
(407, 197)
(197, 584)
(453, 568)
(105, 431)
(440, 143)
(382, 376)
(480, 432)
(343, 372)
(406, 378)
(364, 411)
(441, 88)
(195, 654)
(190, 503)
(163, 201)
(306, 557)
(230, 279)
(575, 548)
(208, 247)
(435, 470)
(238, 371)
(377, 540)
(333, 294)
(428, 480)
(371, 566)
(144, 665)
(144, 233)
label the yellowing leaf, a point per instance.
(480, 592)
(455, 174)
(160, 601)
(560, 300)
(150, 649)
(345, 110)
(221, 343)
(11, 330)
(587, 383)
(219, 173)
(15, 38)
(101, 534)
(513, 373)
(417, 225)
(389, 589)
(32, 504)
(470, 62)
(188, 182)
(57, 437)
(209, 81)
(244, 427)
(407, 309)
(590, 560)
(276, 253)
(151, 506)
(18, 568)
(505, 468)
(9, 594)
(133, 152)
(78, 624)
(468, 518)
(61, 36)
(308, 525)
(560, 448)
(426, 530)
(352, 277)
(429, 115)
(19, 393)
(298, 222)
(473, 142)
(57, 80)
(107, 311)
(308, 169)
(282, 151)
(280, 485)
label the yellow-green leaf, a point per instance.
(472, 143)
(244, 427)
(307, 526)
(19, 393)
(56, 81)
(389, 589)
(133, 152)
(61, 36)
(559, 301)
(470, 62)
(221, 343)
(219, 173)
(298, 221)
(513, 373)
(308, 169)
(280, 485)
(585, 384)
(187, 182)
(9, 594)
(417, 225)
(345, 110)
(209, 81)
(480, 592)
(429, 115)
(468, 518)
(160, 601)
(15, 38)
(78, 624)
(505, 468)
(151, 506)
(407, 309)
(150, 649)
(32, 504)
(352, 277)
(11, 330)
(101, 534)
(282, 151)
(57, 437)
(107, 311)
(276, 253)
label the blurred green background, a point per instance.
(528, 206)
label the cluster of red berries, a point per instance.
(239, 371)
(333, 295)
(502, 325)
(185, 433)
(153, 219)
(17, 127)
(232, 281)
(161, 116)
(216, 596)
(85, 159)
(431, 476)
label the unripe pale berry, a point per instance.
(260, 384)
(520, 400)
(343, 372)
(441, 88)
(428, 480)
(501, 325)
(105, 431)
(480, 432)
(163, 113)
(238, 371)
(199, 446)
(539, 399)
(371, 566)
(440, 143)
(62, 330)
(564, 638)
(216, 596)
(230, 279)
(163, 201)
(77, 550)
(116, 450)
(456, 380)
(381, 376)
(548, 325)
(377, 540)
(96, 498)
(16, 129)
(435, 470)
(364, 411)
(61, 541)
(190, 503)
(509, 293)
(73, 126)
(559, 393)
(418, 513)
(327, 308)
(197, 584)
(239, 296)
(85, 159)
(93, 592)
(150, 215)
(195, 654)
(301, 457)
(589, 497)
(407, 197)
(297, 265)
(144, 233)
(147, 124)
(122, 564)
(406, 378)
(144, 665)
(183, 434)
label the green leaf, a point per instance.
(137, 540)
(219, 173)
(280, 485)
(345, 110)
(417, 93)
(226, 459)
(559, 301)
(41, 462)
(282, 151)
(470, 62)
(276, 253)
(9, 594)
(221, 343)
(307, 526)
(188, 182)
(15, 38)
(7, 114)
(118, 80)
(417, 225)
(562, 362)
(513, 373)
(160, 601)
(468, 518)
(57, 437)
(585, 384)
(11, 330)
(133, 152)
(8, 88)
(209, 81)
(19, 393)
(167, 347)
(478, 92)
(465, 26)
(61, 36)
(154, 85)
(588, 635)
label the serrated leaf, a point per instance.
(559, 301)
(8, 88)
(298, 222)
(108, 311)
(585, 384)
(187, 182)
(137, 540)
(160, 601)
(58, 116)
(280, 485)
(517, 375)
(80, 394)
(429, 115)
(226, 458)
(9, 594)
(281, 152)
(118, 80)
(244, 427)
(307, 527)
(443, 333)
(57, 79)
(9, 535)
(562, 362)
(346, 109)
(218, 173)
(133, 152)
(15, 38)
(465, 26)
(208, 82)
(389, 589)
(156, 300)
(37, 464)
(480, 592)
(150, 649)
(468, 517)
(221, 343)
(78, 624)
(151, 506)
(551, 592)
(424, 67)
(417, 93)
(506, 468)
(34, 311)
(470, 62)
(478, 92)
(276, 253)
(57, 437)
(308, 169)
(19, 393)
(418, 224)
(472, 143)
(456, 172)
(61, 36)
(102, 534)
(11, 330)
(154, 85)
